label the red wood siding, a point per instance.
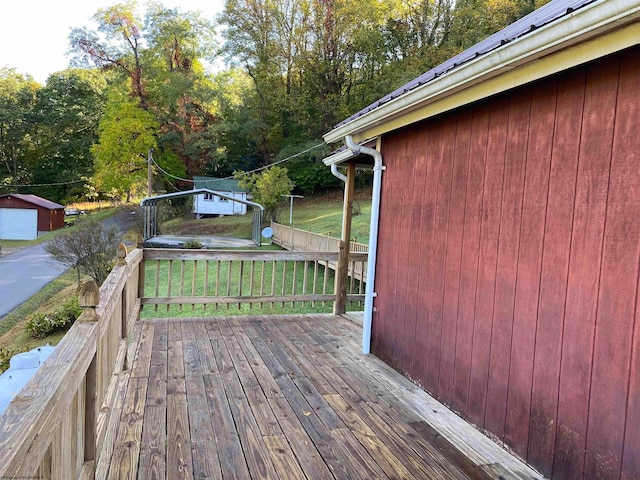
(508, 268)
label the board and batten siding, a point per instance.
(508, 266)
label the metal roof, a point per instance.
(196, 191)
(546, 14)
(34, 199)
(219, 184)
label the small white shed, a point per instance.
(211, 204)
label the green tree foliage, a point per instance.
(18, 97)
(295, 68)
(267, 188)
(67, 113)
(180, 94)
(161, 58)
(306, 170)
(46, 132)
(127, 133)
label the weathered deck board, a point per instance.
(273, 397)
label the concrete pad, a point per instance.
(177, 241)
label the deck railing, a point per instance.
(219, 279)
(57, 424)
(292, 238)
(66, 416)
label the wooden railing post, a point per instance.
(342, 270)
(89, 297)
(121, 254)
(340, 304)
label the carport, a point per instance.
(149, 211)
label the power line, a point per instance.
(283, 160)
(42, 184)
(251, 171)
(167, 173)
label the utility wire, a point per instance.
(42, 184)
(283, 160)
(167, 173)
(252, 171)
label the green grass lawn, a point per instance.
(319, 214)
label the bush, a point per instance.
(193, 244)
(90, 249)
(42, 325)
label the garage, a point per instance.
(18, 224)
(23, 216)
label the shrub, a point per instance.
(193, 244)
(41, 325)
(90, 249)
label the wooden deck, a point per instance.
(281, 397)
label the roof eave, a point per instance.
(338, 158)
(578, 27)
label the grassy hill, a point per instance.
(319, 214)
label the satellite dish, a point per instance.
(267, 232)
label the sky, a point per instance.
(34, 33)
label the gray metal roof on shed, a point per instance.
(34, 199)
(546, 14)
(219, 184)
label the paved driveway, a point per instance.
(24, 273)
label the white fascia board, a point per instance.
(577, 27)
(339, 157)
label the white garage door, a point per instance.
(18, 224)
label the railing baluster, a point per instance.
(293, 283)
(361, 284)
(229, 281)
(304, 279)
(284, 279)
(157, 281)
(325, 281)
(169, 281)
(240, 283)
(193, 283)
(253, 271)
(273, 280)
(262, 282)
(182, 267)
(352, 276)
(217, 282)
(206, 283)
(315, 279)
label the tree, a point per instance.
(17, 100)
(158, 62)
(66, 118)
(127, 133)
(306, 170)
(90, 249)
(116, 44)
(267, 188)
